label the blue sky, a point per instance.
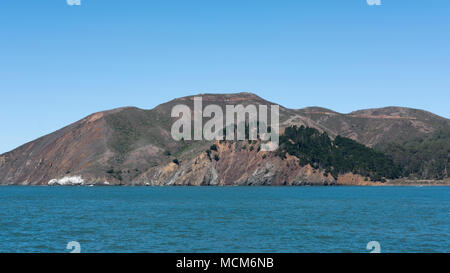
(59, 63)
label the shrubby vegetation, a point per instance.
(115, 173)
(338, 156)
(422, 158)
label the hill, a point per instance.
(132, 146)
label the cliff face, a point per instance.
(131, 146)
(236, 164)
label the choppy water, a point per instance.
(225, 219)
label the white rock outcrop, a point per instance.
(67, 181)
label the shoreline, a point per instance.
(375, 184)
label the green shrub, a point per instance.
(337, 156)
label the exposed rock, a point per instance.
(67, 181)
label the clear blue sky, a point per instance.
(59, 63)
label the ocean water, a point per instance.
(225, 219)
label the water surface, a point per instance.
(225, 219)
